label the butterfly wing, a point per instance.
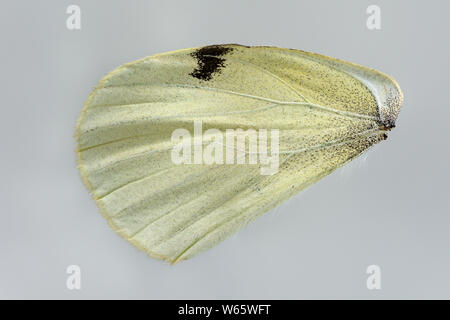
(325, 111)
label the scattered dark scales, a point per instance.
(209, 60)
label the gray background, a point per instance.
(389, 208)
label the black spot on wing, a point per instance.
(209, 61)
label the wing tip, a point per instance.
(392, 103)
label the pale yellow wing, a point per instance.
(326, 112)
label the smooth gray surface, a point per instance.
(390, 208)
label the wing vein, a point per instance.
(268, 73)
(328, 109)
